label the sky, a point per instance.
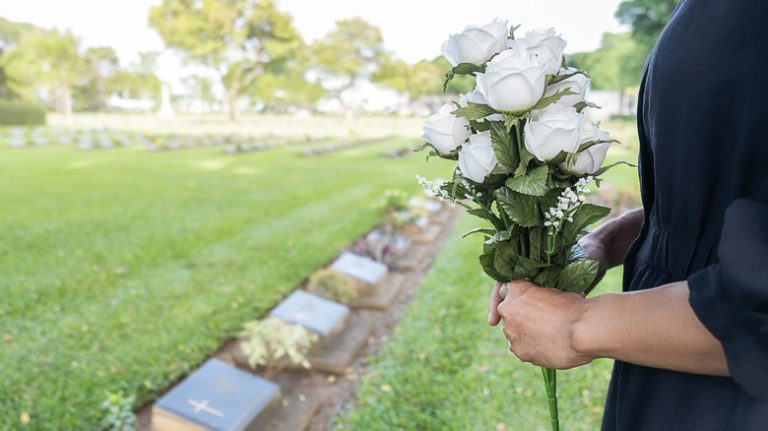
(412, 29)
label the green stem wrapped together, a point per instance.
(550, 382)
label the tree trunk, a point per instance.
(232, 93)
(65, 102)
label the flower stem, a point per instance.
(550, 382)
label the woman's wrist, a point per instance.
(589, 334)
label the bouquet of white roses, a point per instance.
(525, 158)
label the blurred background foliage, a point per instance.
(255, 53)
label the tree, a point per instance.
(10, 35)
(352, 50)
(199, 88)
(420, 79)
(616, 65)
(134, 84)
(646, 17)
(239, 39)
(49, 61)
(100, 63)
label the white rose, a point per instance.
(445, 131)
(547, 45)
(591, 159)
(475, 96)
(579, 84)
(476, 44)
(477, 159)
(551, 130)
(590, 132)
(513, 81)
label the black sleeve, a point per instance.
(731, 297)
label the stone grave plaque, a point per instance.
(85, 143)
(217, 397)
(313, 312)
(428, 205)
(105, 141)
(359, 267)
(17, 142)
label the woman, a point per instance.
(690, 331)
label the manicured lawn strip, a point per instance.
(120, 270)
(444, 368)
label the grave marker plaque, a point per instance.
(359, 267)
(313, 312)
(217, 397)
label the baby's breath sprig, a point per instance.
(568, 203)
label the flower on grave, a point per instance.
(477, 158)
(446, 132)
(476, 44)
(551, 130)
(513, 81)
(590, 159)
(547, 46)
(578, 84)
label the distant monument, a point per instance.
(166, 110)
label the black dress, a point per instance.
(703, 125)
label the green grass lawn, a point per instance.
(445, 369)
(121, 269)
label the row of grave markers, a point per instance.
(93, 139)
(223, 397)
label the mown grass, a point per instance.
(445, 369)
(121, 269)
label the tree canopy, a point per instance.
(646, 18)
(240, 39)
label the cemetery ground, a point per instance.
(121, 270)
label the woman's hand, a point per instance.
(539, 322)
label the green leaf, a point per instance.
(548, 277)
(533, 184)
(483, 230)
(467, 69)
(487, 263)
(526, 268)
(504, 259)
(481, 126)
(589, 144)
(525, 159)
(577, 276)
(559, 78)
(548, 100)
(584, 104)
(503, 147)
(537, 237)
(478, 212)
(461, 69)
(499, 237)
(582, 218)
(474, 111)
(602, 170)
(522, 209)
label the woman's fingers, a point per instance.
(493, 313)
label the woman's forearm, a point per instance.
(655, 328)
(617, 235)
